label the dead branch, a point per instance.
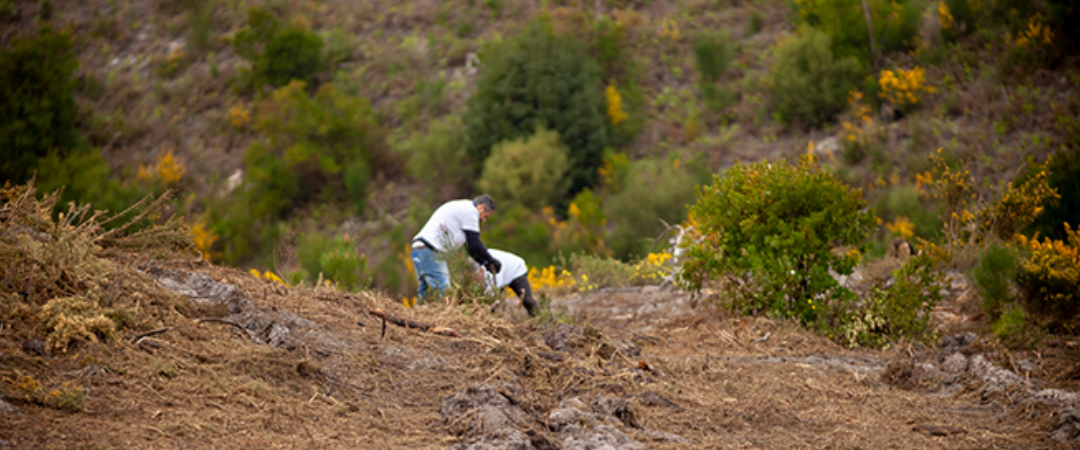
(149, 333)
(410, 323)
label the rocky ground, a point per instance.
(252, 363)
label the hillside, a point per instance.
(211, 357)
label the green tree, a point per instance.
(540, 79)
(779, 227)
(37, 110)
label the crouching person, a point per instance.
(515, 275)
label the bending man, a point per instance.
(454, 224)
(514, 274)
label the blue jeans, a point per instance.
(432, 275)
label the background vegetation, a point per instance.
(312, 139)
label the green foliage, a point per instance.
(1064, 15)
(335, 259)
(1064, 177)
(900, 311)
(895, 23)
(995, 276)
(314, 149)
(38, 111)
(1014, 328)
(522, 229)
(713, 54)
(594, 272)
(540, 79)
(1049, 277)
(530, 172)
(807, 85)
(467, 279)
(278, 52)
(755, 22)
(781, 225)
(85, 178)
(200, 21)
(437, 158)
(654, 192)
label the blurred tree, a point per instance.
(540, 79)
(37, 110)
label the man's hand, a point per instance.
(494, 266)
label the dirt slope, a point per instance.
(251, 363)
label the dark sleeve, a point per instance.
(477, 250)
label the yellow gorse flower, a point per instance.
(904, 88)
(902, 227)
(945, 16)
(614, 105)
(268, 275)
(167, 171)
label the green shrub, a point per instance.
(335, 259)
(530, 172)
(1049, 277)
(995, 276)
(320, 149)
(278, 52)
(540, 79)
(755, 22)
(437, 158)
(524, 230)
(200, 20)
(38, 111)
(654, 192)
(895, 23)
(807, 85)
(86, 178)
(900, 311)
(780, 225)
(1014, 328)
(595, 272)
(713, 54)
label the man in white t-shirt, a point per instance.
(515, 275)
(454, 224)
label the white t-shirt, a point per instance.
(448, 224)
(512, 267)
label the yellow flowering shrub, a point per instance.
(614, 105)
(204, 239)
(945, 17)
(1050, 276)
(166, 171)
(550, 279)
(268, 275)
(653, 268)
(860, 132)
(73, 318)
(1035, 33)
(68, 396)
(904, 88)
(239, 115)
(902, 227)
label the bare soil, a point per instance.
(250, 363)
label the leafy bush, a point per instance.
(540, 79)
(1050, 276)
(278, 52)
(713, 54)
(653, 192)
(807, 85)
(895, 23)
(524, 230)
(314, 149)
(86, 178)
(335, 259)
(905, 88)
(995, 275)
(901, 310)
(38, 111)
(441, 152)
(1014, 328)
(781, 225)
(530, 172)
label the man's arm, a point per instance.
(479, 252)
